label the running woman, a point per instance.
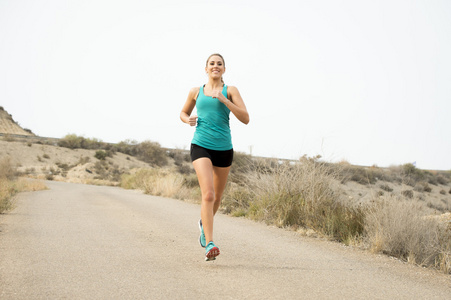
(211, 146)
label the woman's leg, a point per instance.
(219, 183)
(204, 171)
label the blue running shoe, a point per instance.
(211, 251)
(202, 241)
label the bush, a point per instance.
(242, 165)
(236, 199)
(423, 187)
(396, 227)
(152, 153)
(407, 193)
(128, 147)
(179, 156)
(411, 175)
(7, 171)
(10, 185)
(360, 175)
(106, 171)
(72, 141)
(156, 182)
(386, 188)
(101, 155)
(442, 180)
(304, 195)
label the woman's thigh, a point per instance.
(220, 179)
(204, 171)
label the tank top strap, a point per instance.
(224, 90)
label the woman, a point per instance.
(211, 147)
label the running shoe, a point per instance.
(211, 251)
(202, 241)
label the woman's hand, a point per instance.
(218, 95)
(192, 120)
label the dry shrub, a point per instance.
(399, 228)
(156, 182)
(29, 185)
(386, 187)
(6, 169)
(236, 199)
(7, 191)
(422, 187)
(407, 193)
(303, 194)
(9, 188)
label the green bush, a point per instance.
(72, 141)
(101, 155)
(152, 153)
(128, 147)
(105, 171)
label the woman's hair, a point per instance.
(223, 61)
(215, 54)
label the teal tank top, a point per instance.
(213, 128)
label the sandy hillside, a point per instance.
(63, 164)
(9, 126)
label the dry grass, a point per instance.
(304, 194)
(160, 182)
(10, 185)
(399, 228)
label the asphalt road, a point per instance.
(89, 242)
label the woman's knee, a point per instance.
(208, 196)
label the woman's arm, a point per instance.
(185, 114)
(236, 104)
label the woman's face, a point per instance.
(215, 67)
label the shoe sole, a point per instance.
(200, 236)
(211, 255)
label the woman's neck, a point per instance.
(215, 84)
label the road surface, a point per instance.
(78, 241)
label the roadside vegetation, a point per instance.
(10, 185)
(308, 196)
(406, 214)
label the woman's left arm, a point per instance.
(236, 104)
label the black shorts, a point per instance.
(220, 159)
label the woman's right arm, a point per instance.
(185, 114)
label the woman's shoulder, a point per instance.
(193, 92)
(232, 88)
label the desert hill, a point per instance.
(9, 126)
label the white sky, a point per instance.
(364, 81)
